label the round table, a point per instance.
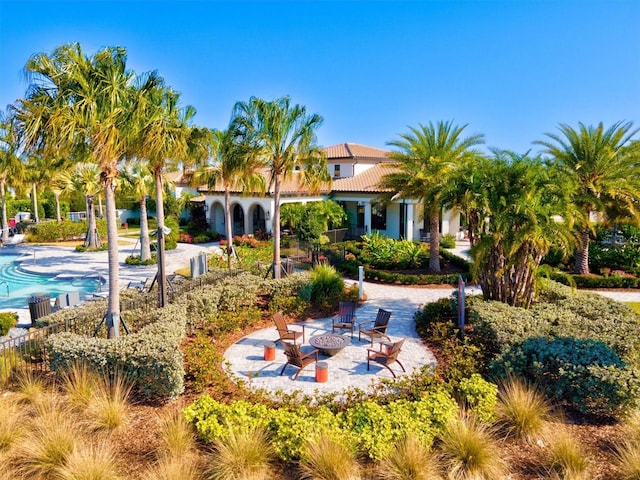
(329, 343)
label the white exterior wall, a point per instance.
(361, 167)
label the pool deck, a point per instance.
(65, 261)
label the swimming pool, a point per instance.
(16, 286)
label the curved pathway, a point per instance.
(349, 367)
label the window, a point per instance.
(378, 216)
(336, 170)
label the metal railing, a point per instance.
(30, 348)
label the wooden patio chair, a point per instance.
(284, 330)
(297, 358)
(387, 355)
(378, 326)
(346, 317)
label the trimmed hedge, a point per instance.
(151, 358)
(596, 281)
(584, 374)
(567, 338)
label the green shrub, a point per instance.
(584, 374)
(368, 426)
(8, 320)
(135, 260)
(479, 396)
(441, 310)
(448, 240)
(151, 358)
(66, 230)
(327, 286)
(560, 312)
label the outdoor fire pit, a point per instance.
(329, 343)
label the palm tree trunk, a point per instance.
(5, 223)
(434, 240)
(161, 275)
(113, 313)
(227, 217)
(34, 196)
(100, 212)
(145, 247)
(56, 196)
(91, 241)
(581, 266)
(276, 226)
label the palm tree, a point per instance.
(61, 182)
(465, 191)
(79, 104)
(600, 167)
(137, 180)
(236, 166)
(426, 156)
(85, 177)
(285, 136)
(11, 168)
(521, 203)
(165, 139)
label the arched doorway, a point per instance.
(237, 217)
(216, 218)
(258, 219)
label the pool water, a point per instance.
(16, 286)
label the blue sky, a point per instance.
(512, 70)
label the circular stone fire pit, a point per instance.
(329, 343)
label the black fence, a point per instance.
(30, 348)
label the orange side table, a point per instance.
(270, 351)
(322, 372)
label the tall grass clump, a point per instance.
(327, 459)
(627, 455)
(108, 408)
(12, 421)
(90, 462)
(79, 383)
(177, 438)
(409, 460)
(627, 460)
(47, 446)
(567, 458)
(523, 412)
(470, 451)
(242, 455)
(174, 469)
(327, 285)
(31, 388)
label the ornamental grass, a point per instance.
(108, 408)
(566, 457)
(242, 455)
(327, 459)
(90, 461)
(469, 450)
(177, 438)
(409, 460)
(523, 412)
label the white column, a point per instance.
(409, 234)
(367, 217)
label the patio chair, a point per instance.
(425, 235)
(297, 358)
(345, 319)
(387, 355)
(378, 326)
(284, 330)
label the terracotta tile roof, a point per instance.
(354, 150)
(289, 186)
(366, 181)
